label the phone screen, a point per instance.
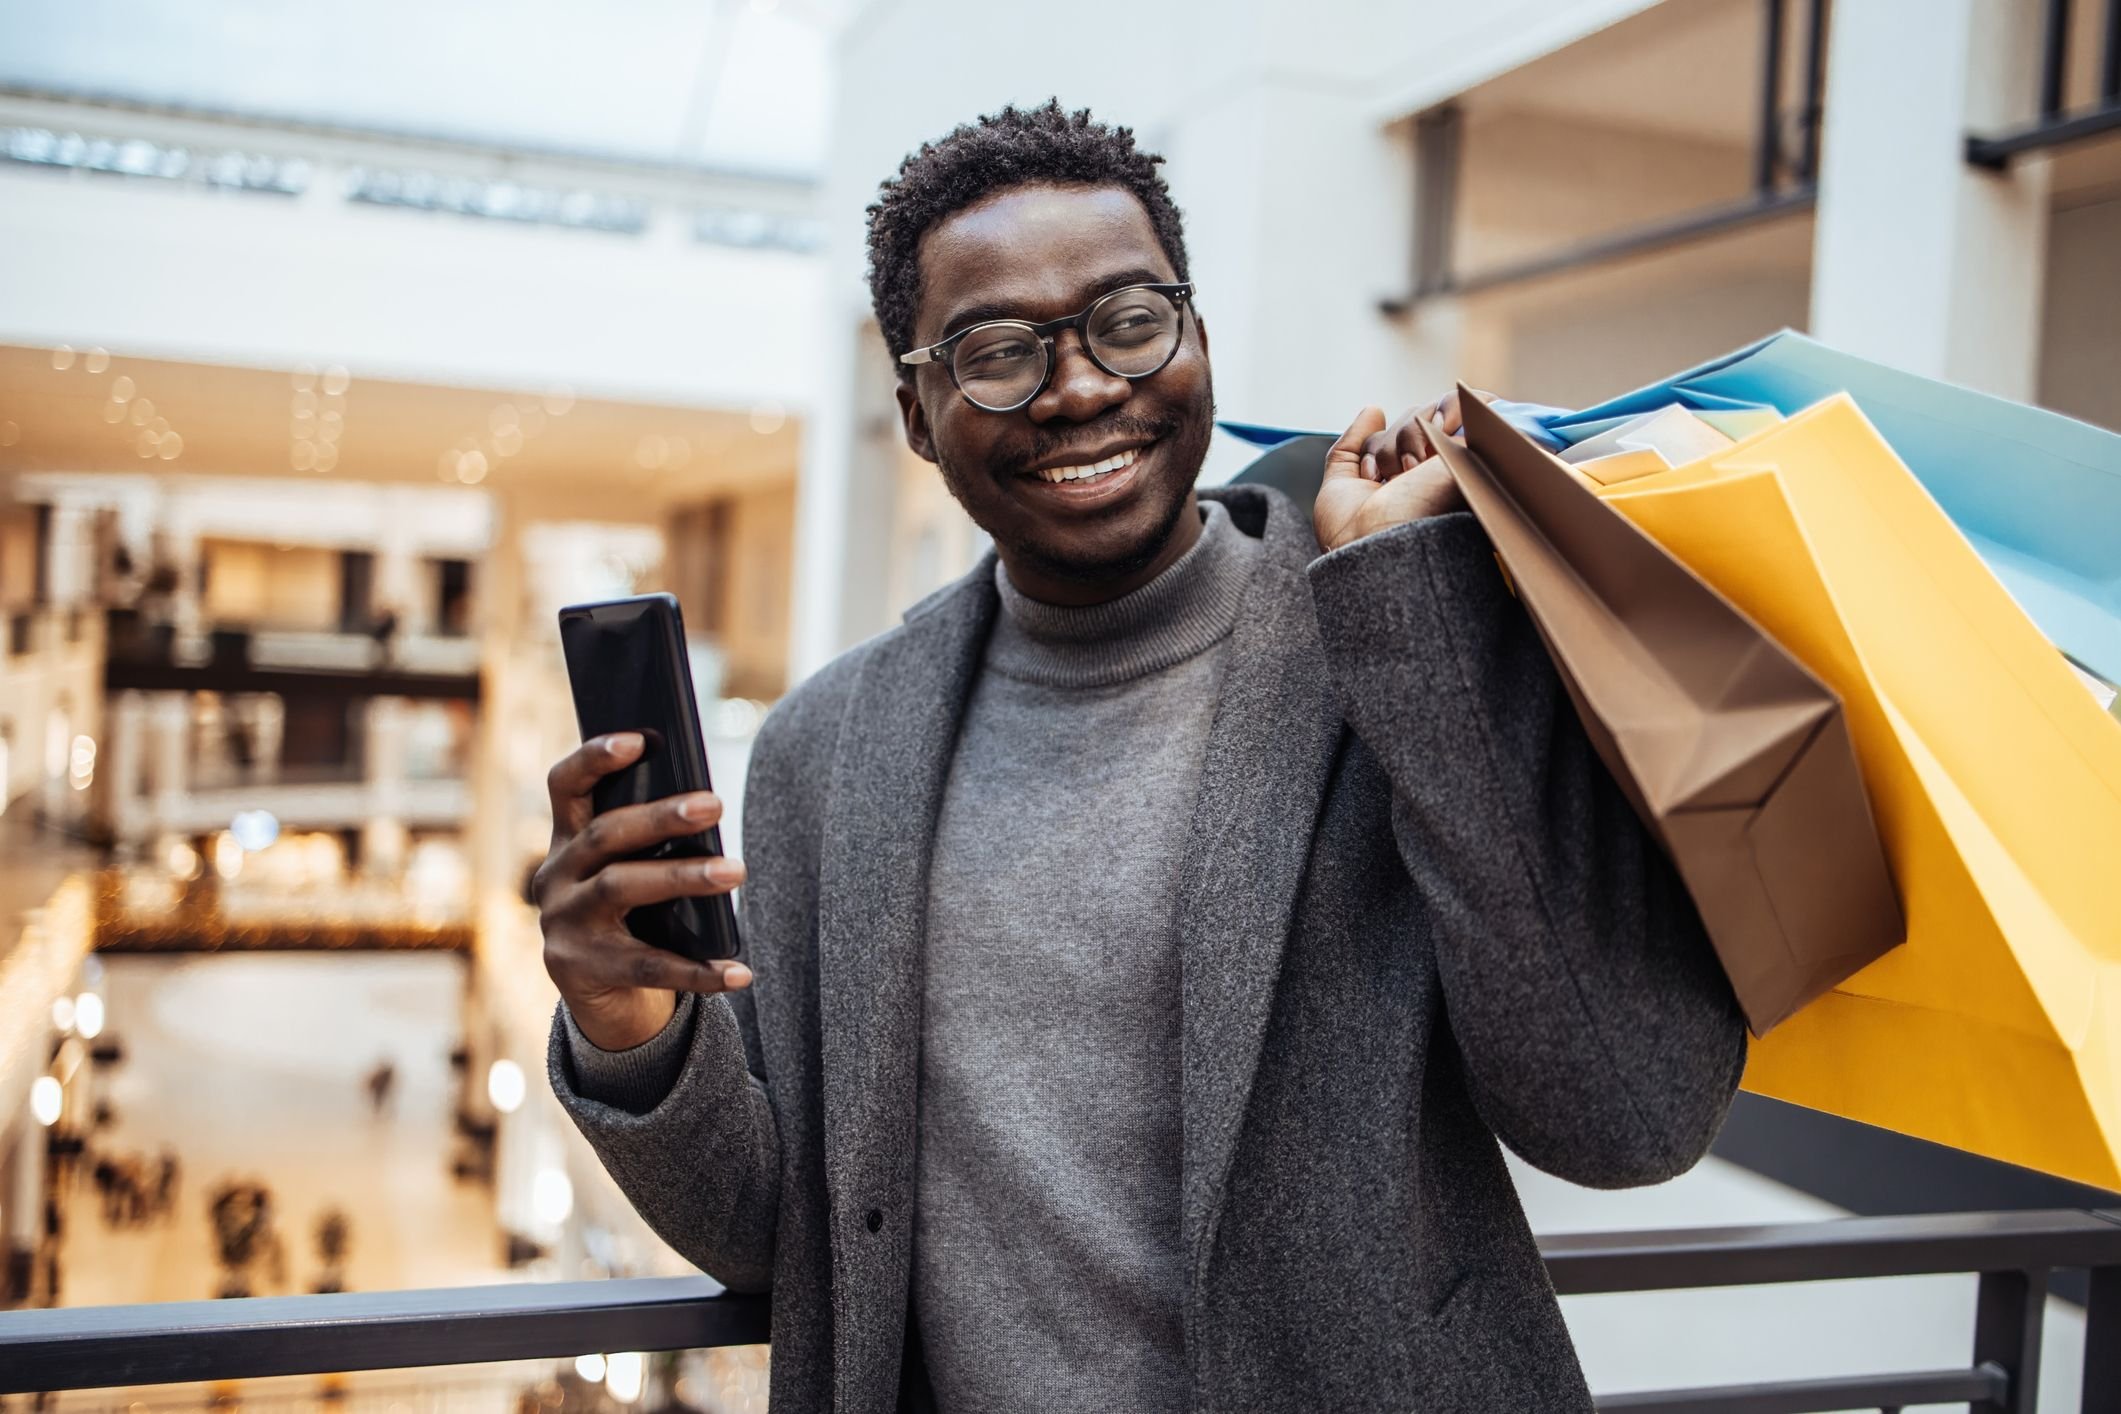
(627, 666)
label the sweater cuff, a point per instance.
(635, 1080)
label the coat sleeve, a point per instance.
(687, 1122)
(1600, 1037)
(684, 1124)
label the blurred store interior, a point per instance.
(339, 348)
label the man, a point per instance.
(1154, 934)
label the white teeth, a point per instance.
(1078, 473)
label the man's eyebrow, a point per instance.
(1118, 280)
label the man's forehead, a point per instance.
(1035, 250)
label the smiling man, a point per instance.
(1156, 933)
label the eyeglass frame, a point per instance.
(1179, 292)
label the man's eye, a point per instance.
(1131, 323)
(996, 356)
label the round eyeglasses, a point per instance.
(1003, 364)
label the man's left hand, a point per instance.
(1378, 476)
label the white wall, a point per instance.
(161, 268)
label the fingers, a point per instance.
(576, 774)
(587, 964)
(1398, 448)
(1345, 458)
(617, 889)
(631, 829)
(1450, 418)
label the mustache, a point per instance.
(1058, 442)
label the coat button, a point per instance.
(875, 1220)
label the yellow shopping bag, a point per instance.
(1995, 779)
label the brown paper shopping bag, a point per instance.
(1733, 753)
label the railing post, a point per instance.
(1767, 139)
(2102, 1341)
(2054, 58)
(2008, 1316)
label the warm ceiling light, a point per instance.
(114, 412)
(327, 457)
(768, 418)
(10, 433)
(559, 401)
(47, 1099)
(336, 378)
(302, 456)
(624, 1375)
(304, 378)
(97, 360)
(471, 468)
(172, 447)
(63, 357)
(143, 412)
(551, 1196)
(506, 1086)
(121, 389)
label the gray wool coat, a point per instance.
(1416, 917)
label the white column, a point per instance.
(25, 1198)
(383, 836)
(397, 581)
(1919, 259)
(169, 749)
(846, 496)
(125, 759)
(186, 611)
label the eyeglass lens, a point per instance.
(1131, 333)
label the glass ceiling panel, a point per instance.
(729, 84)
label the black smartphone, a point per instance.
(627, 665)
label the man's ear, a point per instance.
(1200, 327)
(915, 418)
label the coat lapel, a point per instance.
(1270, 752)
(888, 771)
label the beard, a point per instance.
(1181, 437)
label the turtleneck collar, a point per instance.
(1183, 612)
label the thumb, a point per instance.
(1344, 459)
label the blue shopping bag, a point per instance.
(2038, 494)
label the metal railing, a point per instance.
(1785, 172)
(106, 1346)
(2059, 124)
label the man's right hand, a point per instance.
(620, 990)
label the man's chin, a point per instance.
(1098, 560)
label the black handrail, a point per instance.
(2058, 125)
(105, 1346)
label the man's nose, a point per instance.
(1079, 390)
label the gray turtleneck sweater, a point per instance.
(1047, 1272)
(1046, 1265)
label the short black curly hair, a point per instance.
(1015, 147)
